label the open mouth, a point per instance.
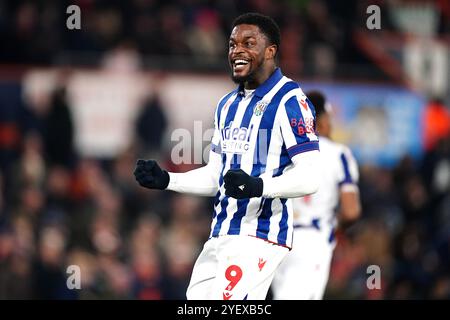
(239, 65)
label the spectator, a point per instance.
(59, 131)
(150, 136)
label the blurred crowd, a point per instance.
(192, 34)
(58, 210)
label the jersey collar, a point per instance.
(265, 87)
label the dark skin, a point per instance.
(249, 44)
(324, 125)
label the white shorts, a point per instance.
(303, 275)
(235, 267)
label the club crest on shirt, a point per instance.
(260, 108)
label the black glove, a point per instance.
(240, 185)
(150, 175)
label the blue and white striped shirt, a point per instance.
(260, 132)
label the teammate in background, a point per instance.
(304, 273)
(264, 150)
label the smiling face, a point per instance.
(250, 55)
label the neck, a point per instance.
(260, 77)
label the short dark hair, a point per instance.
(318, 100)
(266, 24)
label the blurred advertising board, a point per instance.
(379, 123)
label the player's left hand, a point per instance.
(240, 185)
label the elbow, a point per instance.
(311, 187)
(213, 192)
(312, 181)
(307, 187)
(306, 172)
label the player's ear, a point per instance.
(271, 51)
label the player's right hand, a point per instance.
(149, 175)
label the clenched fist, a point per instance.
(149, 175)
(240, 185)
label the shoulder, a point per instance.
(226, 96)
(296, 102)
(333, 147)
(328, 146)
(344, 149)
(282, 90)
(291, 92)
(223, 101)
(290, 88)
(345, 153)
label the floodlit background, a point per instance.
(78, 107)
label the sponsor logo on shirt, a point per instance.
(236, 140)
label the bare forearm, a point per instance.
(350, 206)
